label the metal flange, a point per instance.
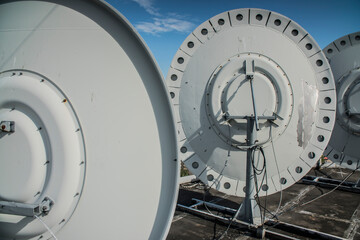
(344, 59)
(210, 92)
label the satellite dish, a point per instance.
(344, 59)
(87, 142)
(293, 97)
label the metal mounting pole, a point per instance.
(249, 210)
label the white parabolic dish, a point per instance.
(93, 124)
(344, 59)
(208, 83)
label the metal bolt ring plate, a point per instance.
(287, 47)
(344, 59)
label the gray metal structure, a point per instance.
(344, 59)
(260, 232)
(211, 93)
(87, 141)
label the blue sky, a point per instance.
(164, 25)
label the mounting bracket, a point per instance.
(249, 210)
(26, 209)
(7, 126)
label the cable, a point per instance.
(262, 181)
(233, 217)
(298, 204)
(257, 171)
(46, 226)
(277, 167)
(332, 189)
(227, 229)
(257, 187)
(207, 189)
(220, 174)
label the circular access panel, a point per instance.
(86, 127)
(210, 84)
(344, 59)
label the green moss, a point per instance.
(183, 170)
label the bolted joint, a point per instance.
(7, 126)
(250, 77)
(226, 116)
(45, 206)
(26, 209)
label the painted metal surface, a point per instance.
(344, 59)
(93, 125)
(211, 95)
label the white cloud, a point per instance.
(148, 6)
(161, 25)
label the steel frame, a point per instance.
(259, 231)
(331, 183)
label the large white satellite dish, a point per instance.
(344, 59)
(209, 82)
(87, 142)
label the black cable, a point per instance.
(264, 163)
(258, 187)
(264, 178)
